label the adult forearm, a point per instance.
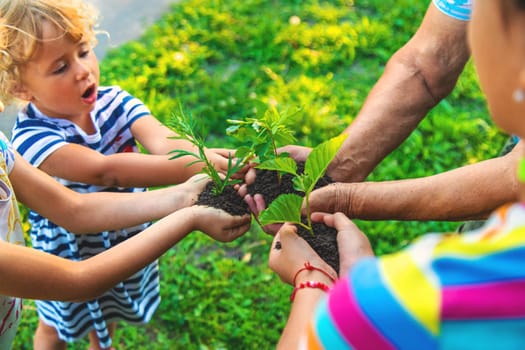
(416, 78)
(470, 192)
(392, 110)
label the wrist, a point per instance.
(313, 286)
(305, 276)
(343, 194)
(313, 273)
(191, 216)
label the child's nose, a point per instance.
(82, 71)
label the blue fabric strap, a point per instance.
(458, 9)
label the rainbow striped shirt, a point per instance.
(446, 291)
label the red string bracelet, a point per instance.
(309, 284)
(309, 267)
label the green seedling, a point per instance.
(184, 126)
(265, 133)
(287, 207)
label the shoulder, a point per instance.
(458, 9)
(31, 125)
(111, 97)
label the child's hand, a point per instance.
(218, 224)
(353, 244)
(257, 205)
(256, 202)
(220, 158)
(289, 253)
(193, 187)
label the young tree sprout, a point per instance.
(184, 126)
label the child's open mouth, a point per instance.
(90, 95)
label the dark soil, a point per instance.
(323, 241)
(229, 200)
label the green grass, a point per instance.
(217, 58)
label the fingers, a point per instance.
(202, 178)
(352, 242)
(323, 199)
(319, 217)
(242, 190)
(290, 253)
(286, 230)
(239, 225)
(237, 231)
(256, 203)
(338, 220)
(299, 153)
(260, 203)
(249, 177)
(224, 152)
(248, 199)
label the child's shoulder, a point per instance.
(111, 91)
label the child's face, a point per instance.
(497, 41)
(63, 76)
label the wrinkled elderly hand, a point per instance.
(336, 197)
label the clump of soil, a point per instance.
(267, 184)
(323, 241)
(229, 200)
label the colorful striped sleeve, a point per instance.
(441, 292)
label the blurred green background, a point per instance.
(218, 59)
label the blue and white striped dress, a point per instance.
(36, 136)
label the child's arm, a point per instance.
(100, 211)
(78, 163)
(21, 268)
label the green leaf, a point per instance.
(243, 152)
(282, 164)
(232, 129)
(318, 160)
(284, 137)
(285, 208)
(182, 153)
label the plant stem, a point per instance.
(308, 219)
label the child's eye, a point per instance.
(62, 68)
(84, 49)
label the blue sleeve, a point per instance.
(458, 9)
(6, 149)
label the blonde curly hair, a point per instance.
(21, 32)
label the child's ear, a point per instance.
(20, 92)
